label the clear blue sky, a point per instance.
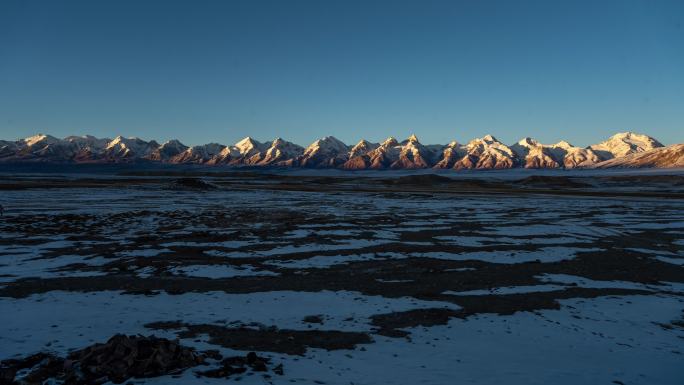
(207, 71)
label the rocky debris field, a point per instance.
(126, 357)
(326, 279)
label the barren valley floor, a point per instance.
(393, 279)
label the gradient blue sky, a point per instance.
(204, 71)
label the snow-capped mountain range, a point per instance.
(625, 149)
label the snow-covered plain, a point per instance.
(273, 258)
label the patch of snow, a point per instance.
(219, 271)
(508, 290)
(544, 255)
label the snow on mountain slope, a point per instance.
(363, 147)
(661, 157)
(329, 152)
(88, 142)
(88, 148)
(533, 154)
(198, 154)
(409, 154)
(44, 148)
(248, 147)
(225, 156)
(486, 153)
(325, 152)
(573, 157)
(523, 146)
(451, 153)
(7, 149)
(246, 151)
(384, 155)
(39, 140)
(358, 155)
(280, 152)
(539, 157)
(167, 151)
(412, 154)
(624, 143)
(128, 148)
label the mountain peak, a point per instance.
(278, 142)
(389, 142)
(625, 143)
(31, 140)
(118, 139)
(329, 143)
(528, 142)
(248, 145)
(563, 144)
(172, 142)
(624, 135)
(335, 142)
(329, 152)
(247, 140)
(363, 144)
(362, 147)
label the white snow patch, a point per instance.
(508, 290)
(546, 254)
(219, 271)
(81, 319)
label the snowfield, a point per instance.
(418, 287)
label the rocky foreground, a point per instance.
(621, 150)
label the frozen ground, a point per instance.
(417, 288)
